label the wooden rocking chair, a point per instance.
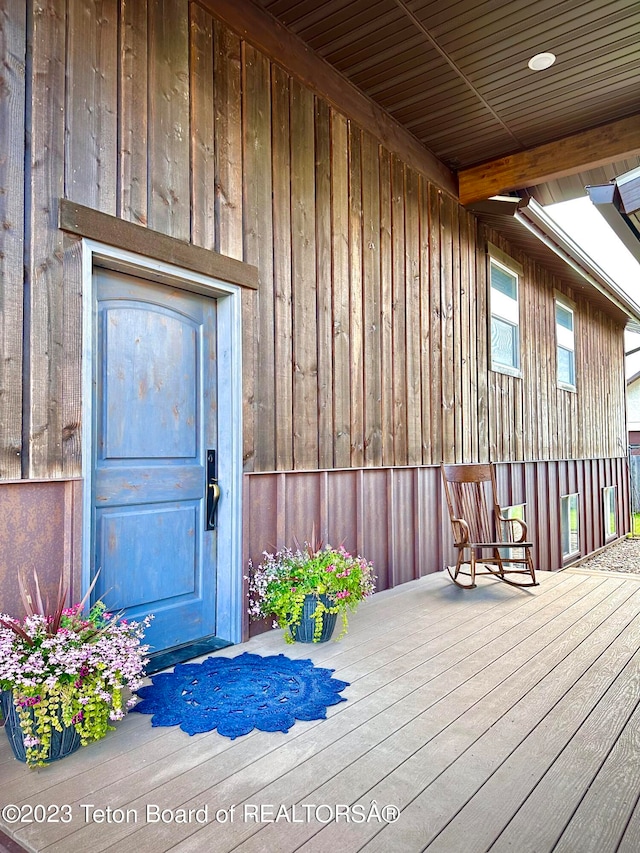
(479, 526)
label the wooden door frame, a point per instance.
(229, 598)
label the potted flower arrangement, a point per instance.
(63, 674)
(307, 588)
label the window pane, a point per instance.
(610, 527)
(515, 511)
(573, 523)
(564, 526)
(566, 366)
(569, 533)
(504, 307)
(504, 343)
(504, 281)
(565, 338)
(564, 317)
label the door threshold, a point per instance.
(180, 654)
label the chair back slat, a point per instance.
(471, 495)
(471, 502)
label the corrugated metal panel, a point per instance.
(395, 518)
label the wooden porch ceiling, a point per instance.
(455, 76)
(497, 719)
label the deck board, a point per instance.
(471, 711)
(571, 774)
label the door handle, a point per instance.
(213, 490)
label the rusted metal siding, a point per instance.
(394, 516)
(40, 529)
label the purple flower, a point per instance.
(29, 701)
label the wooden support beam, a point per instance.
(577, 153)
(265, 33)
(86, 222)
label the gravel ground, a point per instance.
(624, 556)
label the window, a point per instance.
(505, 319)
(565, 341)
(515, 511)
(569, 532)
(609, 500)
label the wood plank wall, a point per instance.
(12, 187)
(366, 344)
(396, 518)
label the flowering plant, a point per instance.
(68, 669)
(279, 585)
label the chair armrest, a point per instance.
(523, 527)
(519, 544)
(462, 533)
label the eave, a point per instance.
(527, 226)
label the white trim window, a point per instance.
(609, 512)
(569, 526)
(565, 345)
(505, 318)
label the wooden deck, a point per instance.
(497, 719)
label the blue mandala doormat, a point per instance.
(236, 695)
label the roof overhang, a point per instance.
(619, 203)
(526, 225)
(567, 156)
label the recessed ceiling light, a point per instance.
(541, 61)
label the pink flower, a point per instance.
(330, 568)
(29, 701)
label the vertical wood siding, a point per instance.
(133, 105)
(47, 325)
(366, 344)
(13, 50)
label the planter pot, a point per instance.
(62, 743)
(303, 633)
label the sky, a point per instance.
(582, 222)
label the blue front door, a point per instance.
(155, 420)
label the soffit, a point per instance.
(455, 74)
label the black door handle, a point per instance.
(213, 490)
